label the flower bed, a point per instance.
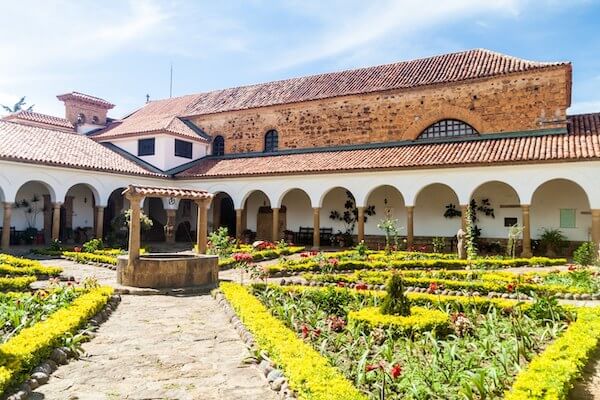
(33, 344)
(14, 266)
(309, 374)
(18, 283)
(260, 255)
(574, 282)
(351, 260)
(487, 356)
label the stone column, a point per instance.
(170, 226)
(410, 235)
(134, 228)
(6, 225)
(275, 234)
(55, 220)
(361, 224)
(316, 227)
(68, 205)
(526, 231)
(99, 222)
(463, 222)
(595, 227)
(202, 226)
(238, 223)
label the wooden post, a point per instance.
(99, 222)
(463, 219)
(134, 228)
(275, 232)
(55, 220)
(361, 224)
(410, 235)
(526, 232)
(6, 225)
(595, 226)
(202, 226)
(316, 227)
(238, 223)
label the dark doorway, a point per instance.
(227, 217)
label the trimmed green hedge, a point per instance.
(420, 320)
(550, 375)
(32, 345)
(310, 375)
(18, 283)
(10, 265)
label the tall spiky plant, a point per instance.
(395, 302)
(470, 235)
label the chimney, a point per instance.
(85, 112)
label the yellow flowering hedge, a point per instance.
(11, 265)
(17, 283)
(420, 320)
(260, 255)
(550, 375)
(310, 375)
(89, 257)
(32, 345)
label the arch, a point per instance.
(389, 203)
(445, 111)
(92, 189)
(271, 141)
(32, 210)
(430, 208)
(250, 193)
(503, 208)
(327, 191)
(334, 199)
(286, 191)
(561, 204)
(47, 186)
(115, 205)
(218, 146)
(223, 213)
(298, 206)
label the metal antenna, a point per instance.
(171, 83)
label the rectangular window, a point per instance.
(510, 221)
(183, 148)
(567, 218)
(146, 147)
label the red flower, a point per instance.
(371, 367)
(341, 284)
(242, 257)
(572, 267)
(304, 331)
(396, 371)
(361, 286)
(304, 255)
(317, 332)
(77, 249)
(432, 287)
(333, 261)
(314, 253)
(511, 287)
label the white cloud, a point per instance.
(346, 31)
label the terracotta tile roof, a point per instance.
(37, 145)
(86, 98)
(447, 68)
(24, 116)
(574, 146)
(157, 191)
(584, 123)
(154, 117)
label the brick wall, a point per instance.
(517, 102)
(73, 108)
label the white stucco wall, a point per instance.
(501, 197)
(395, 206)
(430, 206)
(164, 150)
(83, 206)
(299, 210)
(20, 217)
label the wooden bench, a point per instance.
(305, 236)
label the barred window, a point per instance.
(218, 146)
(271, 141)
(448, 128)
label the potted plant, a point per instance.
(553, 241)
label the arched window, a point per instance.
(218, 146)
(80, 119)
(448, 128)
(271, 141)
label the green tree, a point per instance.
(18, 106)
(395, 301)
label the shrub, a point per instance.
(93, 245)
(220, 243)
(420, 320)
(395, 302)
(18, 284)
(553, 241)
(586, 254)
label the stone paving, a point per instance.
(158, 347)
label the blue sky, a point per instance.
(121, 50)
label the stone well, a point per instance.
(168, 270)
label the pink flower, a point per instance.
(333, 261)
(371, 367)
(305, 331)
(242, 257)
(341, 284)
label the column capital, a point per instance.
(100, 207)
(7, 204)
(409, 207)
(57, 204)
